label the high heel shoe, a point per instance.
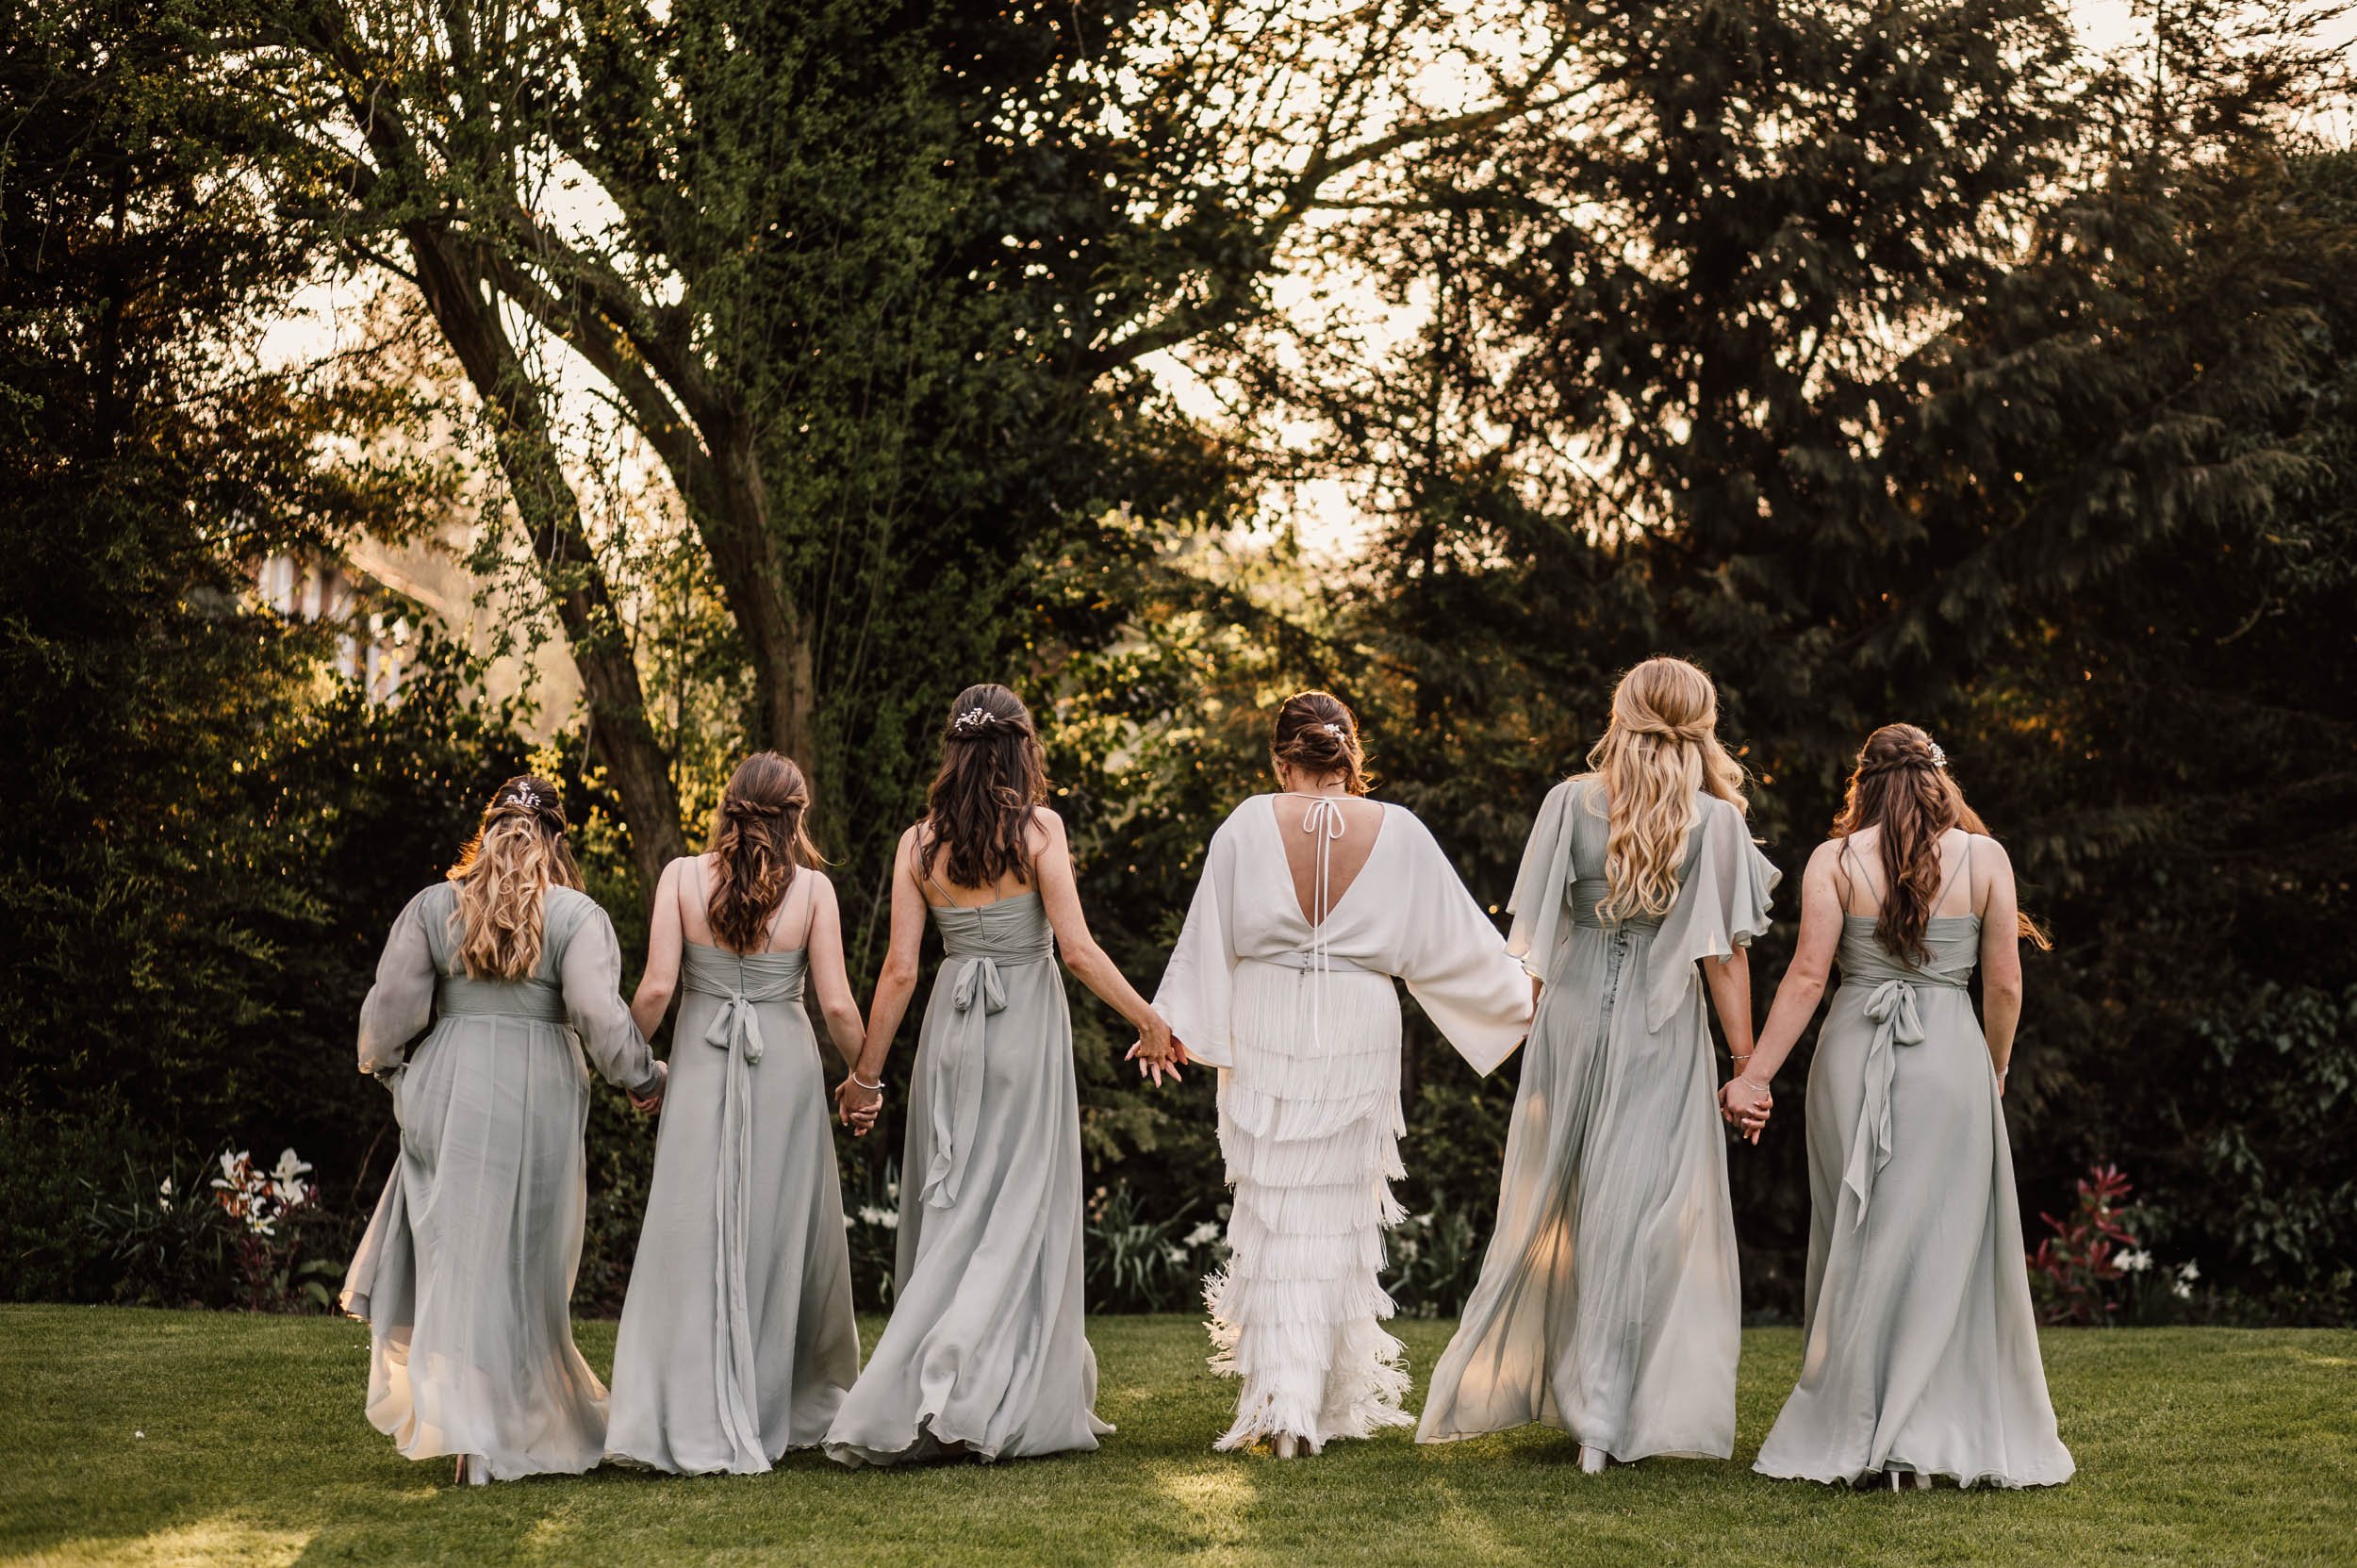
(1907, 1480)
(474, 1470)
(1282, 1445)
(1593, 1460)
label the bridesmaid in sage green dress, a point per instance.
(737, 1340)
(465, 1273)
(986, 1355)
(1921, 1353)
(1608, 1304)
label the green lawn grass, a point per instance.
(148, 1437)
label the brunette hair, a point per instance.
(758, 842)
(993, 775)
(1660, 749)
(518, 849)
(1316, 732)
(1901, 785)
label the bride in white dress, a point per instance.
(1312, 902)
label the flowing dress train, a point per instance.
(737, 1340)
(986, 1353)
(1922, 1346)
(1609, 1303)
(464, 1275)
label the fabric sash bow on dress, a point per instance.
(974, 964)
(743, 981)
(1894, 1008)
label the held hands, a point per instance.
(653, 1103)
(856, 1104)
(1746, 1106)
(1157, 1050)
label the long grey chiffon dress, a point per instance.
(466, 1272)
(986, 1354)
(737, 1340)
(1609, 1303)
(1921, 1343)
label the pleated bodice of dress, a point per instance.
(737, 1340)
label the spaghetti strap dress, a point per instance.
(986, 1354)
(1922, 1346)
(464, 1275)
(737, 1340)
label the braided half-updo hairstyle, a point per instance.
(1316, 733)
(517, 852)
(1901, 785)
(1660, 750)
(759, 840)
(993, 775)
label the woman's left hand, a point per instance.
(1157, 1051)
(1746, 1106)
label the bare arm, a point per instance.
(1746, 1096)
(1061, 893)
(664, 938)
(894, 986)
(827, 976)
(1729, 983)
(2001, 955)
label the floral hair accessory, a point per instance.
(1940, 756)
(972, 720)
(1334, 730)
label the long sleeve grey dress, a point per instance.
(464, 1275)
(737, 1340)
(986, 1353)
(1921, 1348)
(1609, 1303)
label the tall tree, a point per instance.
(873, 284)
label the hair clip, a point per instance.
(1334, 730)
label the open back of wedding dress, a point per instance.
(1298, 1010)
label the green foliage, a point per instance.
(206, 833)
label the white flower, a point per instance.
(2134, 1260)
(289, 1167)
(163, 1194)
(1207, 1231)
(293, 1194)
(2181, 1289)
(888, 1218)
(2189, 1271)
(1176, 1255)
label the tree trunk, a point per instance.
(618, 730)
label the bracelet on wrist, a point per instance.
(876, 1088)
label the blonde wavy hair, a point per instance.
(1660, 749)
(503, 874)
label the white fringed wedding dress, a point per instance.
(1297, 1010)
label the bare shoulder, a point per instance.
(1989, 855)
(1823, 861)
(1048, 824)
(821, 884)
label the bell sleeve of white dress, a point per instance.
(590, 975)
(399, 1005)
(1455, 963)
(1196, 997)
(1722, 904)
(1543, 889)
